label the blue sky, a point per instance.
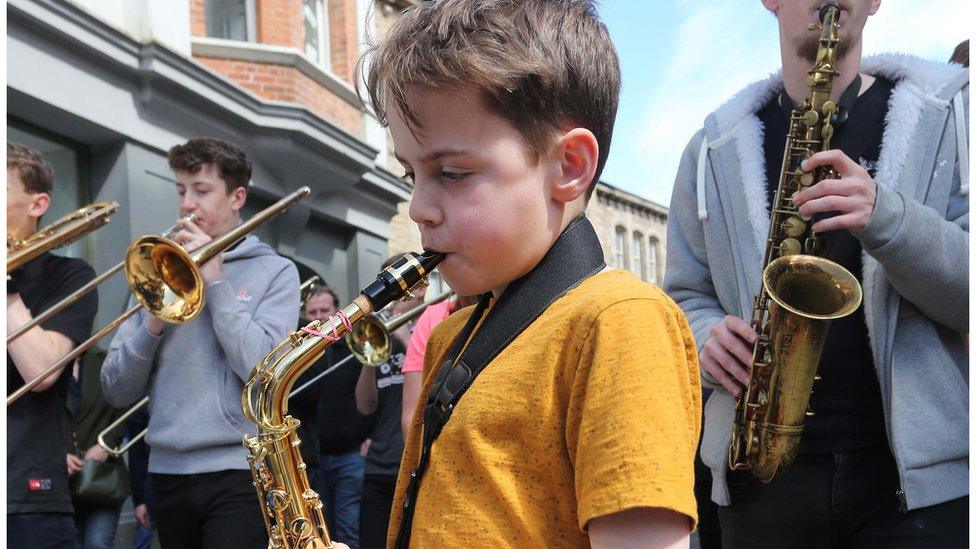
(683, 58)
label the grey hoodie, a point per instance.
(915, 263)
(195, 372)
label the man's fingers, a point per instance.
(728, 362)
(717, 372)
(834, 157)
(741, 327)
(826, 204)
(826, 187)
(853, 222)
(734, 345)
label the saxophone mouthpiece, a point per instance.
(396, 281)
(827, 7)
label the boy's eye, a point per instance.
(452, 176)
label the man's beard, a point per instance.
(808, 45)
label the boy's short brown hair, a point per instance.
(541, 64)
(35, 171)
(231, 162)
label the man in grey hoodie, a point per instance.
(195, 372)
(885, 458)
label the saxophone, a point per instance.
(800, 292)
(292, 510)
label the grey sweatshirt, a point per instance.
(195, 372)
(915, 263)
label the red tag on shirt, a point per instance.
(38, 484)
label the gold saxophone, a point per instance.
(800, 292)
(292, 510)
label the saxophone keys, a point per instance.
(810, 117)
(809, 413)
(790, 246)
(794, 226)
(806, 179)
(829, 107)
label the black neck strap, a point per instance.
(575, 256)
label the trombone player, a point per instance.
(38, 501)
(202, 493)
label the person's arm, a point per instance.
(688, 277)
(633, 421)
(412, 382)
(37, 349)
(245, 337)
(643, 528)
(366, 392)
(129, 361)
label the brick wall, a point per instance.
(281, 83)
(280, 23)
(343, 39)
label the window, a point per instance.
(637, 265)
(315, 15)
(231, 19)
(620, 249)
(652, 260)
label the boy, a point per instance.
(39, 510)
(201, 486)
(582, 425)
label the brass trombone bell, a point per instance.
(166, 280)
(369, 340)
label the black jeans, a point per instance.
(207, 510)
(374, 510)
(836, 500)
(41, 531)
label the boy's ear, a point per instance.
(577, 152)
(39, 204)
(239, 195)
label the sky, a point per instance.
(681, 59)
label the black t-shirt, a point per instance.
(37, 476)
(387, 445)
(341, 427)
(848, 412)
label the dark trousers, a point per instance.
(41, 531)
(207, 510)
(709, 536)
(836, 500)
(374, 510)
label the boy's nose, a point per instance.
(423, 205)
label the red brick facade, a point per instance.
(279, 23)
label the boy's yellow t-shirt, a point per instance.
(593, 409)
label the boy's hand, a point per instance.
(75, 464)
(192, 237)
(851, 197)
(728, 352)
(141, 513)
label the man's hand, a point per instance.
(364, 447)
(727, 353)
(192, 237)
(141, 512)
(851, 197)
(75, 464)
(97, 453)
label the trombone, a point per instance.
(166, 280)
(60, 305)
(62, 232)
(116, 452)
(369, 340)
